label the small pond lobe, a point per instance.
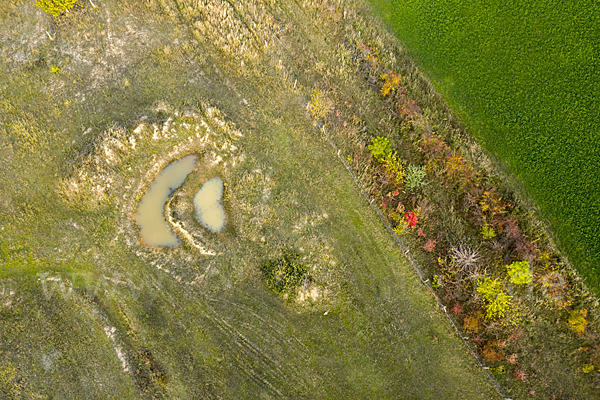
(150, 215)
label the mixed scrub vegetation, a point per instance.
(489, 260)
(523, 77)
(440, 284)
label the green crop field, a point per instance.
(524, 78)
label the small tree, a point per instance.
(55, 7)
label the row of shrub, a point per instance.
(491, 266)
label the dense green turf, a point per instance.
(524, 77)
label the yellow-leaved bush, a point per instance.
(519, 273)
(381, 150)
(577, 320)
(495, 301)
(55, 7)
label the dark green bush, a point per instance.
(284, 274)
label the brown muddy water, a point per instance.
(209, 209)
(150, 215)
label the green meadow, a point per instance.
(523, 76)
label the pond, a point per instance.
(150, 215)
(209, 209)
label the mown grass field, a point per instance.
(524, 78)
(87, 311)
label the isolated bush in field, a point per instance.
(407, 108)
(577, 320)
(55, 7)
(367, 55)
(492, 204)
(381, 149)
(495, 301)
(415, 177)
(434, 147)
(284, 274)
(457, 309)
(519, 273)
(400, 228)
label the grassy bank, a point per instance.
(523, 77)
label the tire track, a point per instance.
(252, 360)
